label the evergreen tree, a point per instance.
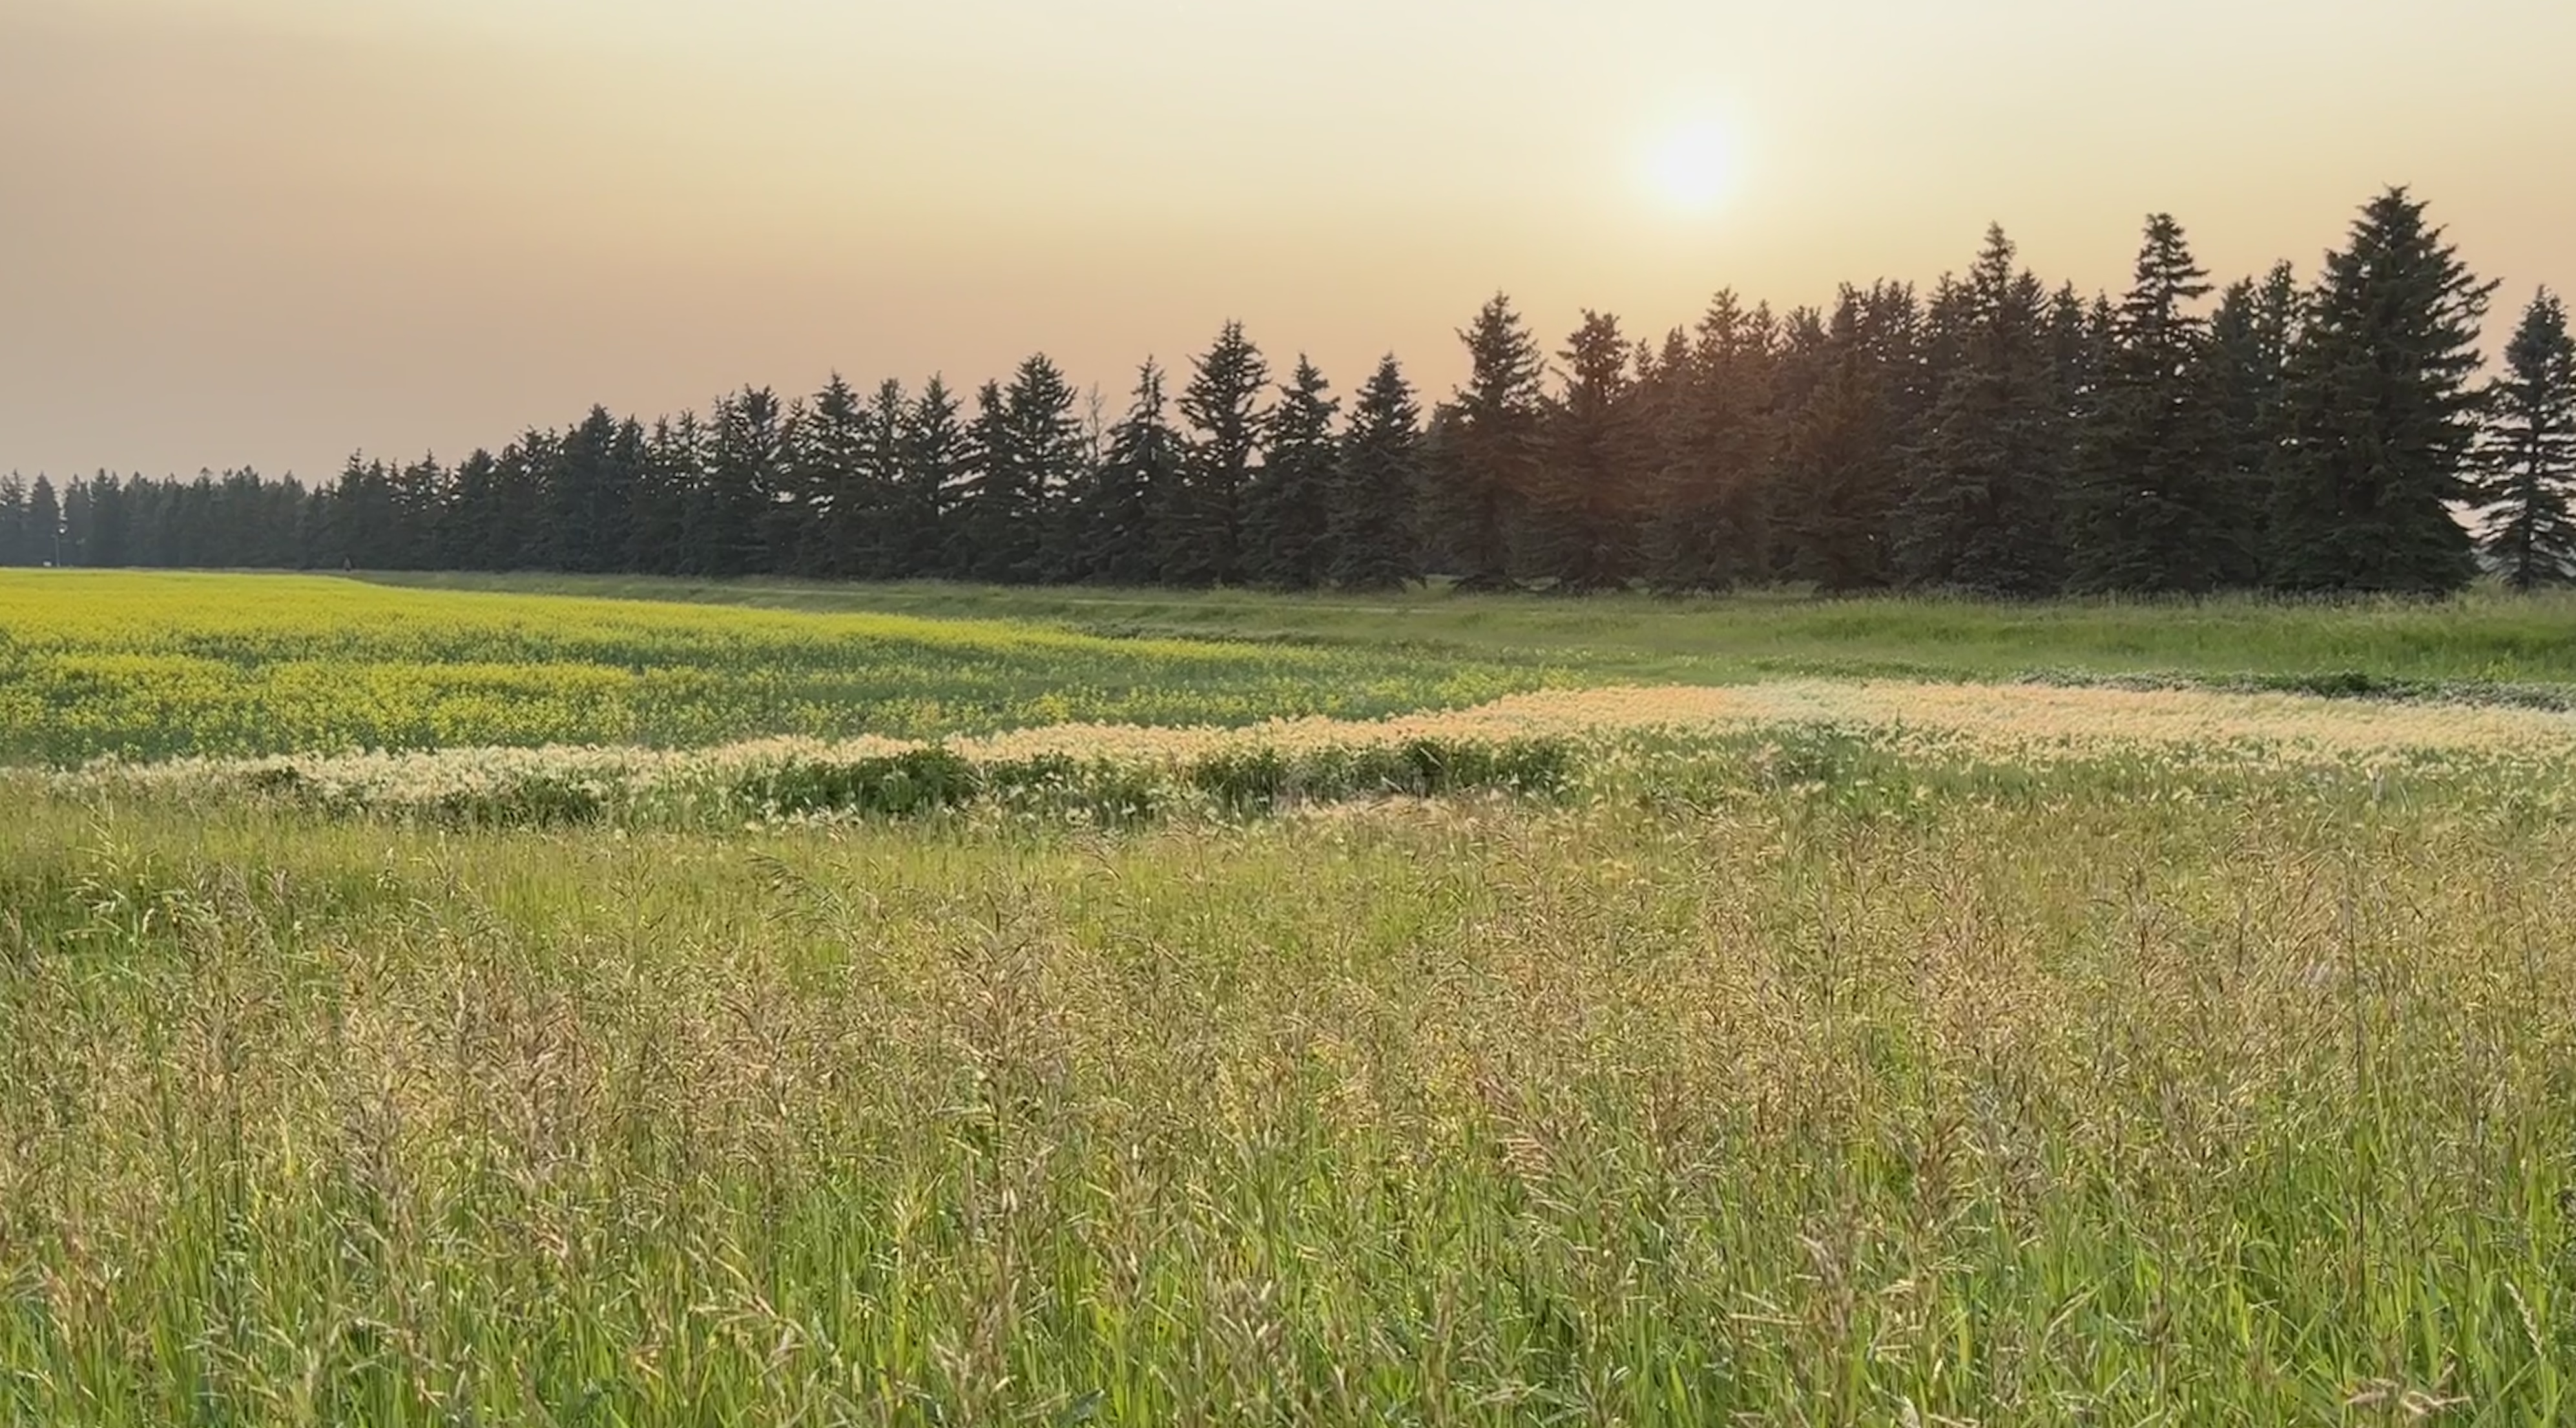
(1489, 452)
(936, 452)
(2245, 367)
(2153, 508)
(1841, 471)
(44, 524)
(2527, 457)
(1581, 526)
(1987, 479)
(1712, 451)
(420, 497)
(841, 493)
(1027, 446)
(589, 496)
(659, 535)
(1288, 511)
(1200, 530)
(17, 547)
(2381, 415)
(738, 494)
(465, 535)
(1136, 478)
(1376, 487)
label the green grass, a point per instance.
(1781, 1075)
(2486, 637)
(2087, 1095)
(164, 665)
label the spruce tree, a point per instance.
(936, 454)
(1027, 445)
(44, 524)
(2244, 372)
(1489, 453)
(1580, 529)
(2526, 466)
(843, 508)
(658, 536)
(1200, 535)
(16, 546)
(1709, 399)
(588, 498)
(1376, 486)
(1841, 464)
(734, 526)
(2152, 508)
(1988, 476)
(2382, 419)
(1136, 479)
(1287, 514)
(890, 524)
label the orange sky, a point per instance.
(269, 231)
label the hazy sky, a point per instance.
(270, 231)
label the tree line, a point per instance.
(1994, 435)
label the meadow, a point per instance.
(1516, 1040)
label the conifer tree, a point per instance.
(879, 545)
(1489, 453)
(2382, 418)
(745, 468)
(1026, 446)
(44, 524)
(2244, 373)
(1583, 493)
(842, 506)
(1841, 464)
(2526, 466)
(1377, 485)
(2152, 508)
(1710, 400)
(936, 455)
(1287, 517)
(588, 498)
(17, 547)
(1200, 536)
(658, 538)
(1136, 479)
(1988, 476)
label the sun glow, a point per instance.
(1693, 168)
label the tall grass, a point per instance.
(157, 666)
(2486, 637)
(2089, 1095)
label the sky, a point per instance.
(272, 232)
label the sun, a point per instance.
(1693, 168)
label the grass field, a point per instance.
(1570, 1049)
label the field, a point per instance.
(1476, 1015)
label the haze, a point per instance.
(270, 231)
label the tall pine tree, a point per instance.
(1287, 517)
(1583, 494)
(2526, 467)
(1376, 486)
(2244, 372)
(1135, 482)
(1200, 538)
(1987, 480)
(1841, 470)
(1710, 451)
(2382, 418)
(937, 453)
(2152, 506)
(1490, 449)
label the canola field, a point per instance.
(1503, 1042)
(152, 666)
